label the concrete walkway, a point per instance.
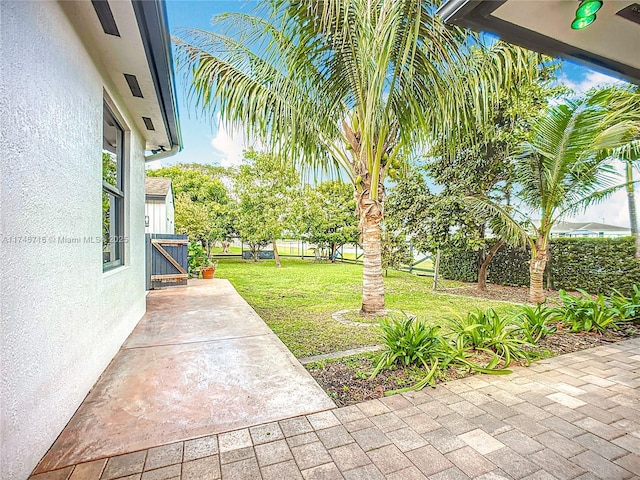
(200, 362)
(576, 416)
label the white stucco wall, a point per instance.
(63, 319)
(156, 210)
(160, 214)
(171, 212)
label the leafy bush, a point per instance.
(598, 265)
(627, 308)
(534, 322)
(509, 266)
(459, 264)
(585, 313)
(408, 342)
(487, 331)
(196, 256)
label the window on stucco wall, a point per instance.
(113, 239)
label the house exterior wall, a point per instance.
(160, 214)
(63, 318)
(592, 234)
(171, 226)
(156, 211)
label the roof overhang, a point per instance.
(610, 44)
(130, 43)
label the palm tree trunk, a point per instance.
(482, 273)
(631, 200)
(372, 283)
(537, 266)
(276, 255)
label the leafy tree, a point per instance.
(326, 215)
(561, 170)
(202, 204)
(634, 150)
(395, 251)
(265, 189)
(348, 84)
(109, 173)
(432, 222)
(482, 164)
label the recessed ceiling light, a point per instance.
(583, 22)
(588, 8)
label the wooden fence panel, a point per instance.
(167, 263)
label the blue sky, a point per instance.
(204, 142)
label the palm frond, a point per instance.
(509, 224)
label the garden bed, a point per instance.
(347, 382)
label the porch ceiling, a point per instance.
(117, 56)
(609, 44)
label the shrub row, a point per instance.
(598, 265)
(498, 339)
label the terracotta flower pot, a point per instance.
(208, 272)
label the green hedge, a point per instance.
(598, 265)
(510, 266)
(459, 264)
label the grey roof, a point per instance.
(591, 226)
(157, 186)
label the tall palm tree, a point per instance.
(631, 202)
(348, 85)
(625, 101)
(629, 154)
(562, 170)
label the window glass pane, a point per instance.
(111, 150)
(111, 241)
(112, 192)
(110, 168)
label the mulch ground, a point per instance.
(347, 381)
(495, 292)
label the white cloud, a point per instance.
(590, 80)
(228, 146)
(613, 211)
(154, 165)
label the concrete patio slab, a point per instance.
(369, 441)
(200, 362)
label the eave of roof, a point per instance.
(477, 15)
(154, 30)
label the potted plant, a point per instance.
(208, 269)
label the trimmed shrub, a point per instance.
(509, 266)
(597, 265)
(459, 264)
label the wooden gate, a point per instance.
(166, 260)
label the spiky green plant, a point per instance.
(585, 313)
(534, 322)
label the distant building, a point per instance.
(588, 230)
(158, 205)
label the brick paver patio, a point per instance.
(576, 416)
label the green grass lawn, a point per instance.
(298, 299)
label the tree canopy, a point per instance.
(202, 203)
